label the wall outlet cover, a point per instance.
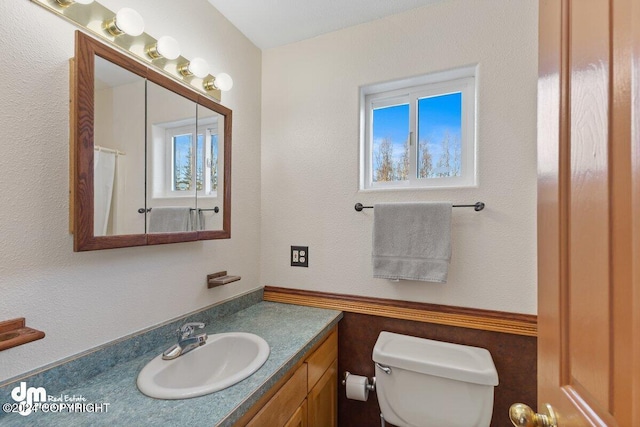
(299, 256)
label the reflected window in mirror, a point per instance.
(211, 158)
(191, 160)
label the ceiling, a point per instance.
(272, 23)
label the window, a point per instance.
(419, 132)
(184, 177)
(185, 160)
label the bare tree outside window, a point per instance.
(383, 160)
(402, 166)
(446, 155)
(425, 165)
(444, 162)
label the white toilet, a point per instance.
(426, 383)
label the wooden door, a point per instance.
(589, 212)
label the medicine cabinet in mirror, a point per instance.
(150, 158)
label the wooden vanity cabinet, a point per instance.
(306, 397)
(323, 400)
(299, 418)
(322, 385)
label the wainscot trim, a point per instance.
(486, 320)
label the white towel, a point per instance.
(412, 241)
(169, 219)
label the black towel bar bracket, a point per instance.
(478, 206)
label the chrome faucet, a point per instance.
(187, 341)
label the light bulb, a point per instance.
(197, 67)
(126, 21)
(224, 82)
(166, 47)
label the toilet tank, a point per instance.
(433, 383)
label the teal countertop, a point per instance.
(290, 330)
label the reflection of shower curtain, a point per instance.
(104, 169)
(118, 203)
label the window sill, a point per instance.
(407, 188)
(183, 197)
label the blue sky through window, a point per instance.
(438, 117)
(391, 124)
(182, 148)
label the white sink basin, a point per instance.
(224, 360)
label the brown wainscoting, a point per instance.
(513, 352)
(486, 320)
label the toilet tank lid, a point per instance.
(438, 358)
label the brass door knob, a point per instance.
(523, 416)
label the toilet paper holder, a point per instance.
(371, 385)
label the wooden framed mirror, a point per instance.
(150, 158)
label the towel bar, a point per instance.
(478, 206)
(216, 210)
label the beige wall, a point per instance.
(85, 299)
(310, 153)
(294, 180)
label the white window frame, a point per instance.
(410, 91)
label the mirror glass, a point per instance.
(174, 172)
(210, 167)
(150, 157)
(118, 144)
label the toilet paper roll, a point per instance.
(357, 387)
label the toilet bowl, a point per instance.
(427, 383)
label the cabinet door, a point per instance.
(323, 399)
(284, 403)
(299, 418)
(321, 359)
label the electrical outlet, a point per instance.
(299, 256)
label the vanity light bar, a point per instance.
(101, 22)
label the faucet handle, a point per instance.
(186, 330)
